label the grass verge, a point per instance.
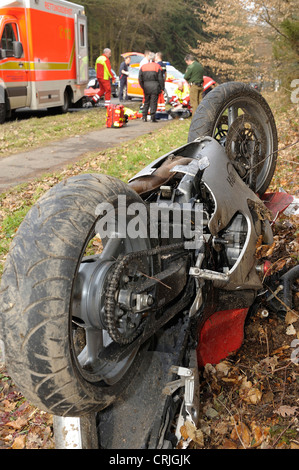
(121, 162)
(29, 130)
(20, 135)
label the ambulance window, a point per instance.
(82, 35)
(10, 34)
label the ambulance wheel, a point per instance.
(63, 109)
(53, 295)
(66, 103)
(2, 113)
(2, 106)
(240, 119)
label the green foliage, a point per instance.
(170, 26)
(286, 50)
(291, 31)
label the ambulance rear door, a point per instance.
(81, 49)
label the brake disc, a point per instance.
(246, 147)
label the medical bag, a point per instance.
(115, 115)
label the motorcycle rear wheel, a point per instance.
(238, 117)
(40, 288)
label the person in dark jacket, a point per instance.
(151, 81)
(123, 78)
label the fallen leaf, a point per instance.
(228, 444)
(17, 424)
(184, 432)
(254, 396)
(209, 370)
(19, 442)
(223, 368)
(278, 265)
(232, 380)
(6, 405)
(241, 433)
(221, 428)
(246, 384)
(285, 410)
(38, 437)
(257, 434)
(195, 434)
(270, 250)
(291, 317)
(264, 251)
(290, 330)
(268, 397)
(248, 393)
(211, 413)
(269, 363)
(281, 350)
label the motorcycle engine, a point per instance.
(232, 239)
(233, 217)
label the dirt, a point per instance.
(250, 399)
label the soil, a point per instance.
(250, 399)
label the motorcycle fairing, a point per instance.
(221, 335)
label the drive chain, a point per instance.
(121, 264)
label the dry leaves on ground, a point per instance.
(22, 426)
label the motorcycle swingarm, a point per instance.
(115, 352)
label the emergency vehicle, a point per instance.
(43, 54)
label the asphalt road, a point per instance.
(26, 166)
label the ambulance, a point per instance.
(43, 55)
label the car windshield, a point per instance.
(92, 72)
(135, 59)
(134, 72)
(173, 73)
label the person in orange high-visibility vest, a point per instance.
(104, 74)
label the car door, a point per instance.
(133, 87)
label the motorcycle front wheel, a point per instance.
(53, 294)
(240, 119)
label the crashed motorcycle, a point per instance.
(98, 268)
